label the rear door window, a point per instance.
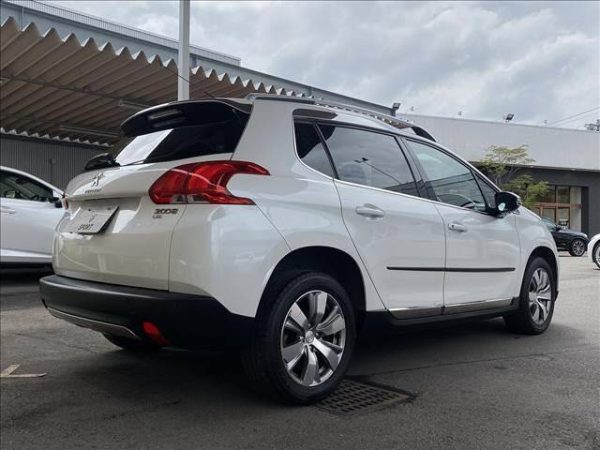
(369, 158)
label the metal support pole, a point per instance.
(183, 60)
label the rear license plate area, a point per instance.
(92, 220)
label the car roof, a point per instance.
(374, 118)
(338, 112)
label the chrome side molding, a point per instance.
(417, 312)
(476, 306)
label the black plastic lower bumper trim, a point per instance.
(187, 321)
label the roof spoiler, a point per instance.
(181, 114)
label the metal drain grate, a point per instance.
(353, 397)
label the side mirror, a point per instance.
(507, 202)
(101, 161)
(55, 201)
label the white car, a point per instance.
(593, 249)
(283, 227)
(30, 210)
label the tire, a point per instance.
(596, 254)
(283, 354)
(577, 247)
(131, 345)
(534, 316)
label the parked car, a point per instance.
(574, 242)
(594, 249)
(282, 227)
(30, 210)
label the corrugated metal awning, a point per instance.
(64, 88)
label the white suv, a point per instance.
(283, 227)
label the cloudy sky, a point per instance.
(538, 60)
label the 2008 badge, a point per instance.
(159, 212)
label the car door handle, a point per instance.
(455, 226)
(5, 210)
(370, 211)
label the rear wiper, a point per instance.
(101, 161)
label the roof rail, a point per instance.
(390, 120)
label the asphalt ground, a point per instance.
(472, 386)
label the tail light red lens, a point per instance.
(202, 183)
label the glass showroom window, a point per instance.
(562, 205)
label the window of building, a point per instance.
(550, 213)
(561, 204)
(550, 195)
(369, 158)
(563, 216)
(310, 149)
(563, 194)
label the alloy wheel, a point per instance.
(540, 296)
(578, 247)
(313, 338)
(597, 255)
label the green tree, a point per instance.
(504, 165)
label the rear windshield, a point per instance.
(206, 138)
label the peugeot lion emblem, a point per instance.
(97, 178)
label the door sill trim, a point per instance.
(477, 306)
(417, 312)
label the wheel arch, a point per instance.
(547, 254)
(332, 261)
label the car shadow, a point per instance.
(170, 377)
(23, 275)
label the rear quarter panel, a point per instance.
(302, 204)
(227, 252)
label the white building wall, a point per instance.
(550, 147)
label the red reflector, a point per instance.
(154, 333)
(203, 183)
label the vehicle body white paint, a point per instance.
(27, 226)
(595, 240)
(230, 251)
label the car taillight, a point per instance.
(202, 183)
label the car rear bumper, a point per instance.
(187, 321)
